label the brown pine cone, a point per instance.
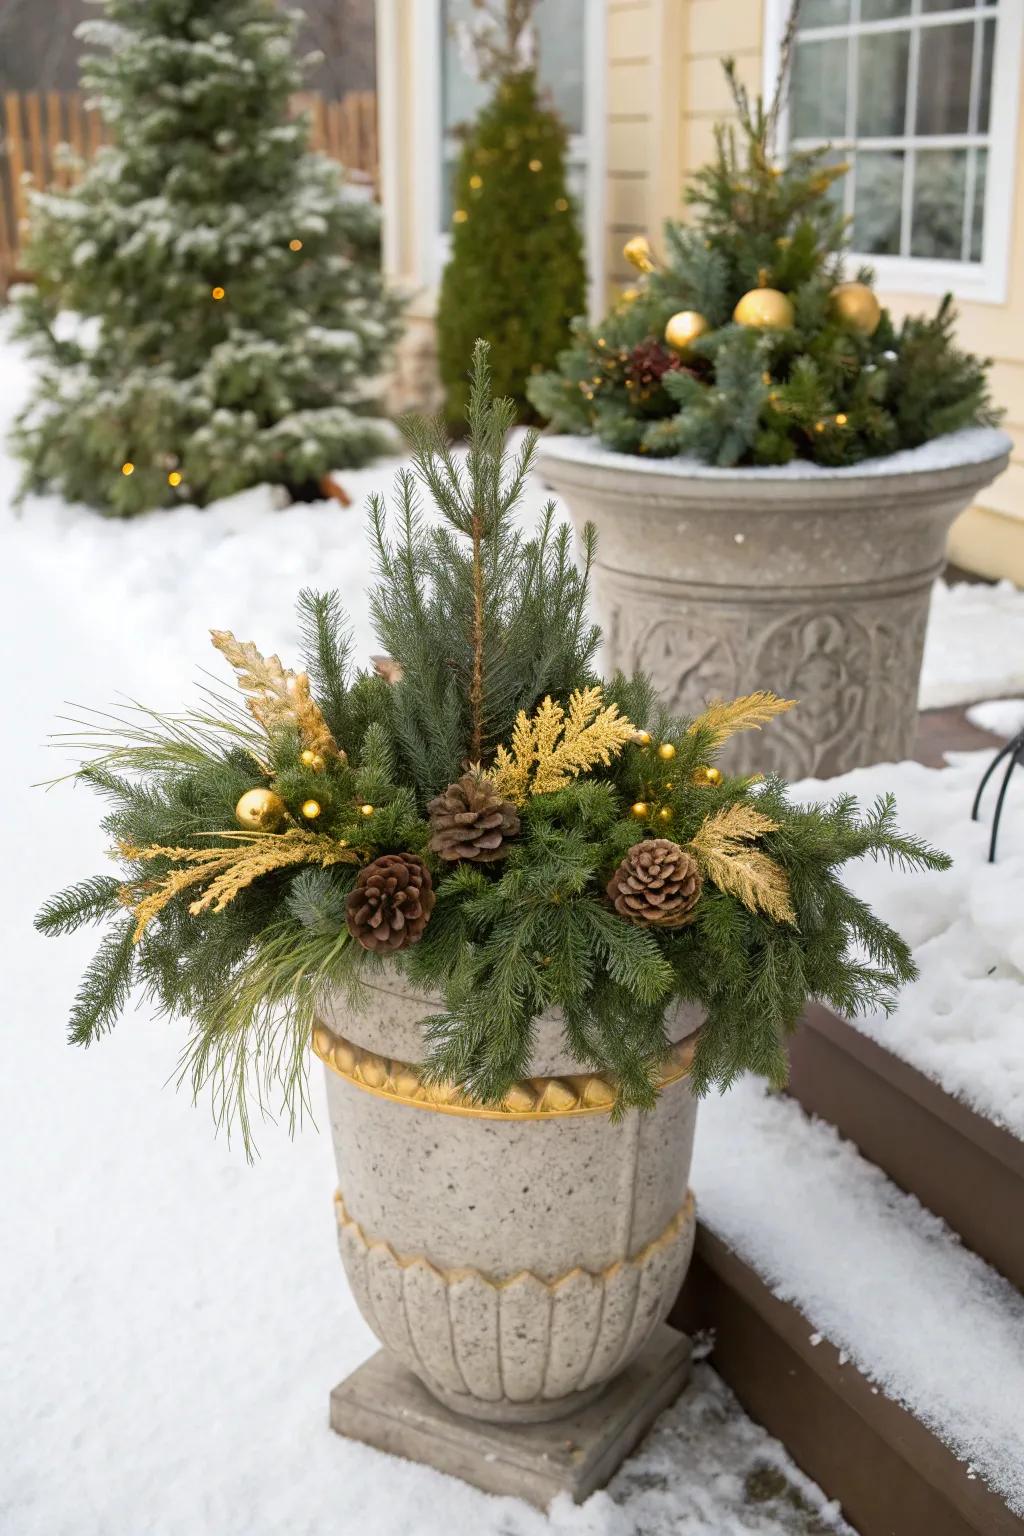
(471, 821)
(390, 904)
(657, 882)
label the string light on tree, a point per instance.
(460, 216)
(311, 809)
(313, 760)
(174, 478)
(128, 468)
(367, 810)
(295, 245)
(218, 293)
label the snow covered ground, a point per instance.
(171, 1321)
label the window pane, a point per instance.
(946, 5)
(944, 100)
(878, 198)
(938, 215)
(882, 84)
(977, 246)
(985, 95)
(818, 108)
(824, 13)
(561, 48)
(883, 10)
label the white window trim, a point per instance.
(433, 244)
(985, 282)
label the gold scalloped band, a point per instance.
(350, 1228)
(533, 1098)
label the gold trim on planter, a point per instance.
(683, 1218)
(533, 1098)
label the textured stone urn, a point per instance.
(814, 583)
(515, 1259)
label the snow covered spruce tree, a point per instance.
(745, 345)
(227, 280)
(516, 275)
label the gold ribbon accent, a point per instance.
(532, 1098)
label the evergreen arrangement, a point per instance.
(231, 311)
(745, 346)
(480, 811)
(516, 275)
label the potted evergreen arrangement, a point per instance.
(523, 917)
(225, 281)
(772, 465)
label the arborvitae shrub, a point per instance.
(516, 275)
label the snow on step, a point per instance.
(961, 1022)
(872, 1271)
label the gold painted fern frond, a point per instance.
(724, 718)
(230, 870)
(722, 848)
(276, 697)
(555, 746)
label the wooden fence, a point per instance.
(46, 138)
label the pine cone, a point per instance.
(390, 904)
(471, 821)
(648, 362)
(657, 882)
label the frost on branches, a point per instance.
(229, 278)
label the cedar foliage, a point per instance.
(491, 631)
(516, 274)
(208, 185)
(819, 390)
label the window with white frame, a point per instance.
(919, 98)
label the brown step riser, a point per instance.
(961, 1166)
(891, 1475)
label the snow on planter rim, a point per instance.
(875, 1273)
(972, 445)
(960, 1022)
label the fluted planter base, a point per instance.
(383, 1405)
(810, 582)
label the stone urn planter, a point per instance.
(811, 582)
(515, 1259)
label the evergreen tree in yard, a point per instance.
(516, 275)
(233, 312)
(746, 346)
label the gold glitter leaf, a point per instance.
(276, 697)
(722, 848)
(724, 718)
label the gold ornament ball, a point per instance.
(314, 760)
(857, 306)
(666, 751)
(260, 810)
(366, 810)
(684, 328)
(665, 814)
(642, 738)
(708, 776)
(765, 309)
(641, 810)
(311, 809)
(638, 253)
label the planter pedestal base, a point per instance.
(383, 1405)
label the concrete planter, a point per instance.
(814, 583)
(516, 1260)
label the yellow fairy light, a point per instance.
(174, 478)
(841, 419)
(476, 182)
(128, 468)
(460, 216)
(641, 810)
(642, 738)
(665, 814)
(218, 293)
(295, 245)
(366, 810)
(311, 809)
(666, 751)
(536, 165)
(819, 426)
(562, 204)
